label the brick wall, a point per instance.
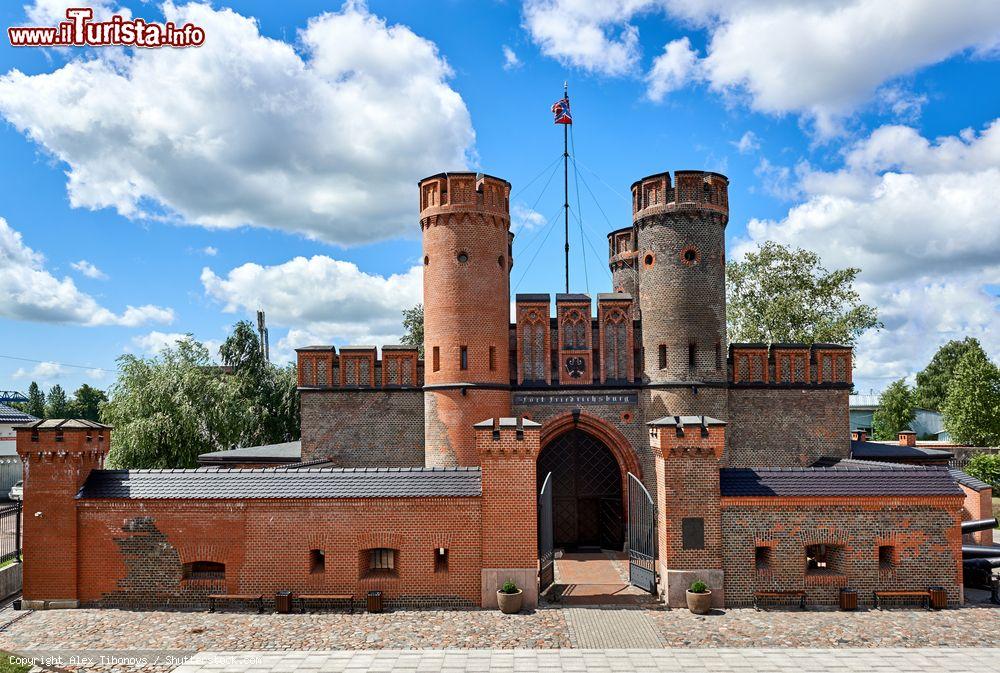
(363, 428)
(922, 532)
(787, 426)
(978, 505)
(448, 419)
(136, 549)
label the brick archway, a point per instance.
(619, 445)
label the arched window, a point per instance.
(204, 570)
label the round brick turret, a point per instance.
(622, 258)
(465, 221)
(680, 255)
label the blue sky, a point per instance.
(157, 193)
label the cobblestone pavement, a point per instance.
(607, 661)
(180, 632)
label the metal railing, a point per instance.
(10, 533)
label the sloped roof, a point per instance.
(876, 450)
(67, 424)
(285, 452)
(838, 481)
(966, 479)
(9, 414)
(283, 483)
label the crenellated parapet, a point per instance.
(358, 367)
(790, 365)
(691, 191)
(449, 197)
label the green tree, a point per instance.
(87, 402)
(985, 466)
(413, 327)
(168, 409)
(56, 403)
(933, 380)
(780, 294)
(972, 408)
(895, 411)
(270, 411)
(36, 401)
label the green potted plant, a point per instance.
(509, 597)
(699, 598)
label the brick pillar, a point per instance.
(508, 449)
(58, 455)
(687, 451)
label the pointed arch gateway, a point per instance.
(589, 460)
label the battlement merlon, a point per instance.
(460, 192)
(690, 191)
(359, 367)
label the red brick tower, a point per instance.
(58, 455)
(465, 220)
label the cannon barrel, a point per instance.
(970, 551)
(981, 563)
(978, 525)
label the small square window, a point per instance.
(762, 558)
(381, 560)
(317, 561)
(886, 557)
(440, 560)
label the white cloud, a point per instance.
(89, 270)
(320, 299)
(594, 35)
(53, 12)
(327, 141)
(778, 181)
(675, 67)
(748, 142)
(523, 218)
(919, 217)
(210, 251)
(510, 59)
(43, 371)
(153, 342)
(819, 58)
(32, 293)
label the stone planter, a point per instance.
(699, 604)
(510, 603)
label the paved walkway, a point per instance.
(598, 628)
(599, 578)
(604, 661)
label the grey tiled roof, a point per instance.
(966, 479)
(68, 424)
(283, 483)
(841, 480)
(685, 420)
(12, 415)
(878, 450)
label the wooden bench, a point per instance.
(922, 594)
(758, 596)
(258, 598)
(305, 598)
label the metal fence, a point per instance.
(10, 532)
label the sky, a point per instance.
(152, 193)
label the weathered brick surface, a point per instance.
(786, 426)
(922, 531)
(135, 549)
(465, 222)
(682, 263)
(363, 428)
(978, 505)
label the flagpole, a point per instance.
(566, 184)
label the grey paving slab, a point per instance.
(641, 660)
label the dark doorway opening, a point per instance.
(587, 507)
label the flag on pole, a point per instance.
(561, 110)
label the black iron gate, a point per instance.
(546, 552)
(641, 536)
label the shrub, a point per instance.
(985, 466)
(698, 587)
(508, 588)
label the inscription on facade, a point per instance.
(583, 399)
